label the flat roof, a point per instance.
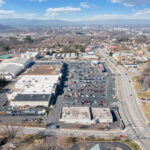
(101, 113)
(5, 56)
(37, 89)
(30, 97)
(38, 79)
(77, 113)
(41, 84)
(86, 115)
(17, 60)
(44, 70)
(9, 68)
(30, 53)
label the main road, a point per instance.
(137, 127)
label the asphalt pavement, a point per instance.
(137, 127)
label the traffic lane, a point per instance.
(143, 142)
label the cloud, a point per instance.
(59, 10)
(142, 14)
(131, 2)
(108, 17)
(51, 14)
(1, 2)
(38, 0)
(63, 9)
(6, 12)
(29, 15)
(138, 14)
(84, 5)
(13, 14)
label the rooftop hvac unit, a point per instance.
(51, 67)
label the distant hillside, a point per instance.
(118, 22)
(3, 27)
(36, 22)
(25, 22)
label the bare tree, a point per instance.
(84, 136)
(147, 81)
(10, 130)
(146, 70)
(43, 146)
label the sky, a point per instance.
(75, 10)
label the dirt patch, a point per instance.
(136, 84)
(66, 142)
(146, 110)
(144, 94)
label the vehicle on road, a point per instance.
(57, 126)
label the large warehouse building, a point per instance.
(39, 81)
(24, 62)
(9, 71)
(10, 68)
(32, 100)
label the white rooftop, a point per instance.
(39, 84)
(37, 89)
(86, 55)
(38, 79)
(16, 60)
(30, 55)
(12, 69)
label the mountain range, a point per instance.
(26, 22)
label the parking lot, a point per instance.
(23, 115)
(87, 85)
